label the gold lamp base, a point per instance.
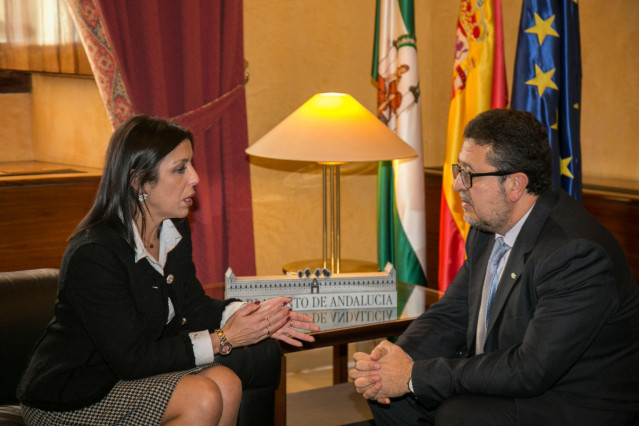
(346, 265)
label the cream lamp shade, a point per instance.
(331, 128)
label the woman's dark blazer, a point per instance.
(110, 320)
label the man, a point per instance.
(540, 325)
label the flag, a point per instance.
(547, 82)
(401, 208)
(479, 84)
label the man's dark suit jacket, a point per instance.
(564, 325)
(110, 320)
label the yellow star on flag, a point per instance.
(543, 80)
(556, 125)
(543, 28)
(563, 167)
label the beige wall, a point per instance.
(610, 96)
(70, 123)
(61, 121)
(15, 127)
(298, 48)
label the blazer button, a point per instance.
(184, 321)
(169, 279)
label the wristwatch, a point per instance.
(225, 345)
(410, 386)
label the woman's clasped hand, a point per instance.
(272, 318)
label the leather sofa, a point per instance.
(26, 306)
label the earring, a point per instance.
(142, 197)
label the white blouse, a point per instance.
(169, 239)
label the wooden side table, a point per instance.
(339, 339)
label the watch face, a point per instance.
(225, 349)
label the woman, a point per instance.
(134, 336)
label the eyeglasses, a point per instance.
(467, 177)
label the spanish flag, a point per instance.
(479, 84)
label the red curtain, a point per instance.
(183, 60)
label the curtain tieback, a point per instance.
(201, 119)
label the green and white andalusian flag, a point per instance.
(400, 194)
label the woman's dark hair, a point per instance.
(519, 143)
(135, 150)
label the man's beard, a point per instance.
(483, 225)
(498, 219)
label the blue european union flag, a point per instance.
(547, 81)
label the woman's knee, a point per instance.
(195, 397)
(207, 395)
(226, 380)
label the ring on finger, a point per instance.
(268, 332)
(291, 323)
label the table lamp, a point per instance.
(331, 129)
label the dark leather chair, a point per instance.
(26, 307)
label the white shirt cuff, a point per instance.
(230, 309)
(202, 347)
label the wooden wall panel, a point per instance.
(37, 219)
(433, 189)
(620, 214)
